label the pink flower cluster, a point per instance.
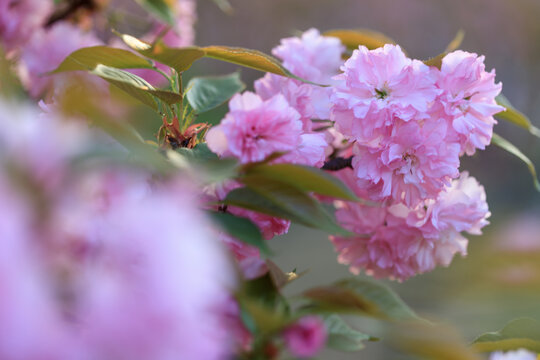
(100, 261)
(403, 123)
(409, 124)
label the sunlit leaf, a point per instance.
(363, 297)
(225, 6)
(206, 93)
(160, 9)
(240, 228)
(342, 337)
(354, 38)
(305, 178)
(515, 116)
(519, 333)
(88, 58)
(512, 149)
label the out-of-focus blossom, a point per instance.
(20, 19)
(306, 337)
(378, 88)
(45, 51)
(247, 256)
(255, 128)
(520, 354)
(468, 98)
(116, 267)
(414, 164)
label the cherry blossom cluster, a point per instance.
(403, 125)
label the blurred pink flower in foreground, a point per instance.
(104, 263)
(306, 337)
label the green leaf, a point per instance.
(354, 38)
(159, 8)
(363, 297)
(512, 149)
(206, 93)
(135, 86)
(342, 337)
(225, 6)
(282, 200)
(240, 228)
(304, 178)
(90, 57)
(511, 114)
(519, 333)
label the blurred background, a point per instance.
(500, 278)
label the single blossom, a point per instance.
(255, 128)
(468, 98)
(376, 88)
(306, 337)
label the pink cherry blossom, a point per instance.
(247, 256)
(377, 87)
(306, 337)
(415, 164)
(255, 128)
(19, 20)
(468, 98)
(45, 51)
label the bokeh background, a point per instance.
(500, 278)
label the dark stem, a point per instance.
(338, 163)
